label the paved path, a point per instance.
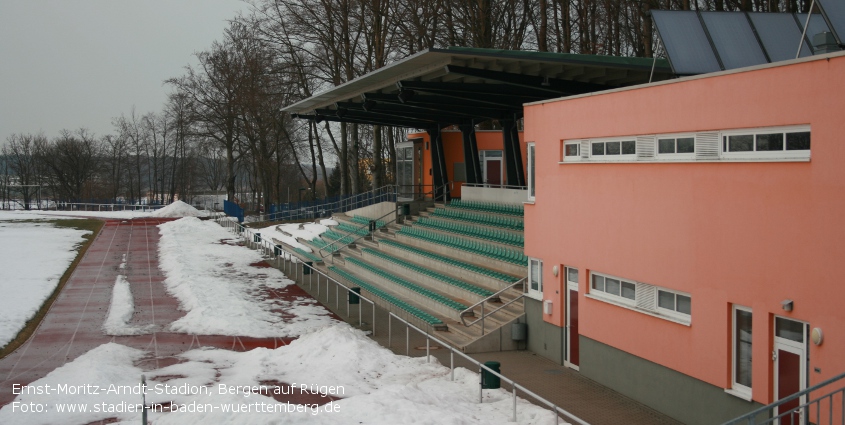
(73, 326)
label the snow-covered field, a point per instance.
(224, 294)
(221, 293)
(374, 386)
(33, 257)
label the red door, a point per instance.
(573, 327)
(789, 382)
(494, 172)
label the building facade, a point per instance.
(686, 236)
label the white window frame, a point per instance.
(764, 155)
(569, 158)
(737, 389)
(537, 294)
(674, 156)
(613, 158)
(700, 144)
(672, 313)
(532, 170)
(613, 298)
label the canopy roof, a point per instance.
(462, 85)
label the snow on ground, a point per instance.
(121, 309)
(178, 209)
(33, 257)
(308, 232)
(219, 289)
(374, 385)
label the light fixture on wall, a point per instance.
(786, 305)
(555, 270)
(817, 336)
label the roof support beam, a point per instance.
(549, 85)
(385, 122)
(421, 99)
(474, 89)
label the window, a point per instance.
(676, 145)
(642, 297)
(674, 303)
(617, 289)
(572, 275)
(572, 151)
(531, 171)
(788, 142)
(741, 384)
(613, 150)
(535, 278)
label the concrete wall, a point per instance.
(375, 211)
(680, 396)
(544, 338)
(493, 194)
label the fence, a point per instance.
(823, 403)
(234, 210)
(325, 207)
(297, 270)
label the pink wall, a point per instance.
(753, 234)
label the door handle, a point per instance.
(774, 355)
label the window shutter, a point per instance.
(645, 147)
(646, 296)
(707, 146)
(585, 149)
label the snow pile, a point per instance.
(222, 293)
(177, 209)
(374, 385)
(33, 257)
(309, 231)
(121, 309)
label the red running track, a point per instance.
(73, 326)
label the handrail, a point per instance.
(481, 303)
(495, 186)
(386, 191)
(445, 187)
(353, 232)
(750, 416)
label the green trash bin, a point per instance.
(277, 250)
(306, 267)
(354, 298)
(256, 237)
(406, 209)
(490, 381)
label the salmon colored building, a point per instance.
(686, 236)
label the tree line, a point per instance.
(221, 128)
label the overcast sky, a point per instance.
(70, 64)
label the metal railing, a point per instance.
(76, 206)
(387, 193)
(288, 263)
(469, 311)
(495, 186)
(445, 188)
(812, 408)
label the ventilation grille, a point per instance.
(646, 296)
(707, 146)
(585, 149)
(645, 147)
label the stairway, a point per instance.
(433, 266)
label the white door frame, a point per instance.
(570, 286)
(794, 347)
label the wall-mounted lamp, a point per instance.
(555, 270)
(817, 336)
(786, 305)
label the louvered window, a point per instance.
(642, 297)
(707, 146)
(645, 148)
